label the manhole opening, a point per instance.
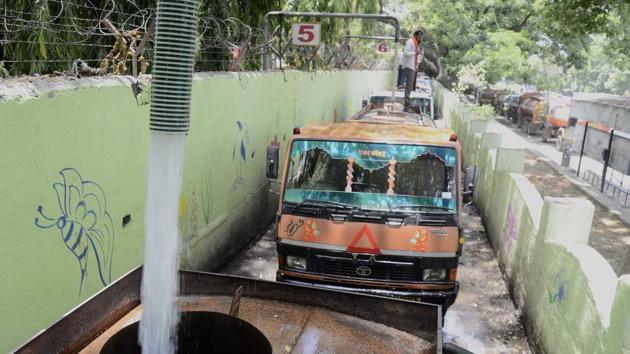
(199, 332)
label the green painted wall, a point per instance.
(570, 297)
(101, 136)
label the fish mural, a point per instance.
(84, 224)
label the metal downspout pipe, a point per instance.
(175, 37)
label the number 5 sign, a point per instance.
(305, 34)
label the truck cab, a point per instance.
(372, 208)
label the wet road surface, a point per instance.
(483, 318)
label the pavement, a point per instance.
(610, 229)
(483, 318)
(512, 137)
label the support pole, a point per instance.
(266, 45)
(607, 158)
(582, 148)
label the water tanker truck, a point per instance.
(532, 112)
(372, 207)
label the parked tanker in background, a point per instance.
(557, 120)
(488, 96)
(532, 112)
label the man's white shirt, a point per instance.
(409, 55)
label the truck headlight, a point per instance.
(434, 274)
(296, 262)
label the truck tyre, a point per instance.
(560, 139)
(546, 134)
(532, 128)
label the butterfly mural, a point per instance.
(84, 224)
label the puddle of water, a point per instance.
(159, 275)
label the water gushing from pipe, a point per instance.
(176, 29)
(159, 278)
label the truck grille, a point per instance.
(392, 271)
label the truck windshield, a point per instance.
(410, 178)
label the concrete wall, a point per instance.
(73, 165)
(570, 297)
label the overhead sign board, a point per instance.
(307, 34)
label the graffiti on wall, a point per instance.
(558, 291)
(510, 231)
(84, 224)
(239, 153)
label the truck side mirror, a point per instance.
(273, 155)
(363, 103)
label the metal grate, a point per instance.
(392, 271)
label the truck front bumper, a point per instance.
(445, 298)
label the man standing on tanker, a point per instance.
(411, 58)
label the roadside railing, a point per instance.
(612, 189)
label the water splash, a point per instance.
(159, 278)
(460, 330)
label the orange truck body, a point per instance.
(559, 109)
(391, 251)
(534, 109)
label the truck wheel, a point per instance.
(546, 134)
(560, 139)
(524, 126)
(532, 128)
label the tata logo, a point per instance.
(364, 271)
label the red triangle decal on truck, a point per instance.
(359, 245)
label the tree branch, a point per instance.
(519, 27)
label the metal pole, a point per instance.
(266, 44)
(280, 44)
(376, 38)
(607, 158)
(582, 148)
(395, 68)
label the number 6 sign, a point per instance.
(305, 34)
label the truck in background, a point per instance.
(557, 120)
(532, 110)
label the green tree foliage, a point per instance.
(527, 41)
(601, 74)
(469, 77)
(453, 28)
(503, 55)
(333, 29)
(48, 35)
(545, 74)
